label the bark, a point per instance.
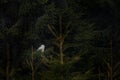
(99, 73)
(60, 40)
(32, 65)
(111, 74)
(8, 62)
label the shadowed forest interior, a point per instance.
(59, 40)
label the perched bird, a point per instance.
(41, 48)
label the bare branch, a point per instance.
(51, 30)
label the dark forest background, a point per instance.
(81, 38)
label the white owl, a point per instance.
(41, 48)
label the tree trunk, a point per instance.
(99, 72)
(7, 62)
(60, 40)
(32, 64)
(61, 52)
(111, 75)
(110, 68)
(108, 75)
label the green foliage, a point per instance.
(42, 1)
(87, 29)
(83, 76)
(57, 72)
(27, 6)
